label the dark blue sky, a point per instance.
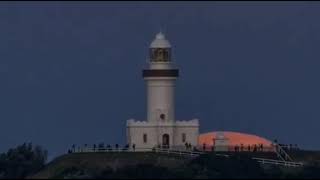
(70, 72)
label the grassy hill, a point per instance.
(305, 155)
(111, 160)
(28, 161)
(154, 165)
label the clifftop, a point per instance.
(154, 165)
(112, 160)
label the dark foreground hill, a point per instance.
(99, 164)
(163, 166)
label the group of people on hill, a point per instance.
(253, 148)
(287, 146)
(99, 147)
(236, 148)
(188, 146)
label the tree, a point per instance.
(22, 161)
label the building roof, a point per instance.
(160, 41)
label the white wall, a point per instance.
(135, 135)
(191, 132)
(155, 132)
(160, 98)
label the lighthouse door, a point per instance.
(165, 141)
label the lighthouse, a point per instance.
(161, 129)
(160, 78)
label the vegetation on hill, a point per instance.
(22, 161)
(28, 161)
(206, 166)
(111, 163)
(147, 166)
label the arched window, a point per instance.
(184, 138)
(162, 116)
(145, 138)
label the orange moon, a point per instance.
(234, 138)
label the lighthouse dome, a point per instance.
(160, 42)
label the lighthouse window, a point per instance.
(184, 137)
(162, 116)
(160, 55)
(153, 54)
(144, 138)
(166, 55)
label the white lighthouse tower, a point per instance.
(160, 80)
(161, 129)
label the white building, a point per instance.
(161, 128)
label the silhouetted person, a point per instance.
(255, 148)
(204, 146)
(261, 147)
(94, 147)
(241, 147)
(101, 146)
(236, 148)
(187, 146)
(134, 147)
(277, 147)
(249, 147)
(195, 149)
(126, 147)
(212, 148)
(117, 146)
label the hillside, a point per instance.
(153, 165)
(305, 155)
(111, 160)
